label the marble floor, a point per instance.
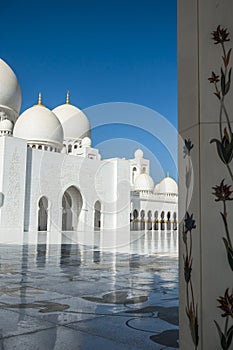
(77, 296)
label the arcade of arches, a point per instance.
(152, 221)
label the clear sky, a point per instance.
(102, 51)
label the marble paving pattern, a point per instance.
(81, 297)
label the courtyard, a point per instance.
(91, 296)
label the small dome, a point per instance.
(39, 125)
(86, 142)
(156, 189)
(6, 125)
(74, 122)
(138, 153)
(144, 183)
(10, 93)
(167, 186)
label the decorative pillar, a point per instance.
(207, 272)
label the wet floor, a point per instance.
(76, 296)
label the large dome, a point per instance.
(74, 122)
(39, 125)
(167, 186)
(144, 183)
(10, 93)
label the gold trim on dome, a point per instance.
(39, 99)
(68, 97)
(39, 103)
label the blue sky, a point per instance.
(102, 51)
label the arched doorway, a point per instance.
(169, 221)
(43, 214)
(149, 220)
(135, 220)
(97, 216)
(71, 207)
(162, 221)
(134, 174)
(156, 224)
(142, 220)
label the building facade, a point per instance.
(52, 179)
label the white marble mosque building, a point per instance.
(52, 179)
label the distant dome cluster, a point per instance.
(41, 127)
(65, 124)
(144, 183)
(167, 186)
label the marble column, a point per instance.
(199, 121)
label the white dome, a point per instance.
(6, 125)
(86, 142)
(156, 189)
(144, 183)
(39, 125)
(10, 93)
(74, 122)
(167, 186)
(138, 153)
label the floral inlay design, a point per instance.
(223, 192)
(187, 230)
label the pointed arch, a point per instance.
(169, 220)
(142, 220)
(135, 220)
(149, 220)
(97, 216)
(162, 221)
(156, 220)
(42, 223)
(71, 208)
(134, 171)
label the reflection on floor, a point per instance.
(91, 296)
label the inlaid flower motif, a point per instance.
(189, 223)
(187, 148)
(225, 147)
(222, 192)
(226, 303)
(214, 78)
(220, 35)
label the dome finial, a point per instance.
(138, 154)
(40, 99)
(168, 175)
(67, 97)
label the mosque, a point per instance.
(52, 179)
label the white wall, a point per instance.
(12, 186)
(52, 173)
